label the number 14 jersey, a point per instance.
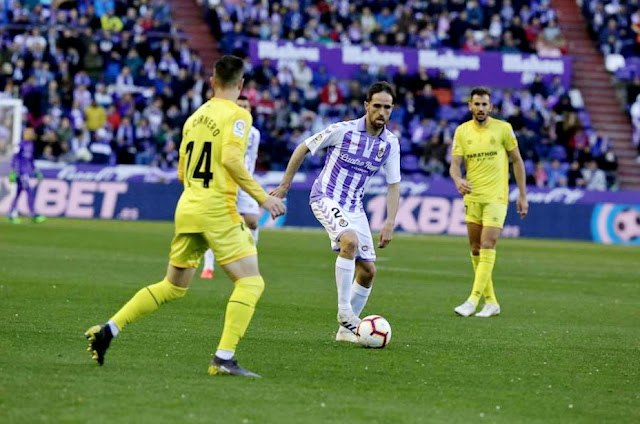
(218, 131)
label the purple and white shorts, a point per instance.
(336, 221)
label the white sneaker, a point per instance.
(466, 309)
(344, 335)
(348, 320)
(489, 310)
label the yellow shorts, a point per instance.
(485, 214)
(229, 243)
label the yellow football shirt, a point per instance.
(484, 149)
(216, 133)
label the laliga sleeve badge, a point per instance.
(239, 128)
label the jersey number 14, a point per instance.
(202, 170)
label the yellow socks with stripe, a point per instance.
(486, 260)
(146, 301)
(240, 309)
(489, 294)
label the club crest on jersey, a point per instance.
(493, 140)
(343, 222)
(239, 128)
(380, 153)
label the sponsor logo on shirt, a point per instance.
(239, 128)
(365, 248)
(481, 155)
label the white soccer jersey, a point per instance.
(251, 156)
(353, 157)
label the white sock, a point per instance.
(254, 233)
(224, 354)
(113, 327)
(345, 270)
(359, 297)
(208, 259)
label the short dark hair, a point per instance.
(228, 70)
(480, 91)
(242, 97)
(379, 87)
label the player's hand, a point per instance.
(463, 186)
(279, 192)
(275, 206)
(522, 206)
(13, 177)
(386, 234)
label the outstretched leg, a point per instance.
(145, 301)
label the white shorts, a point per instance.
(247, 205)
(337, 221)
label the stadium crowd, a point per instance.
(615, 27)
(112, 82)
(474, 26)
(102, 81)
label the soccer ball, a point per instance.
(374, 331)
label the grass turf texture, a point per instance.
(566, 348)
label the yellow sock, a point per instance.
(240, 309)
(489, 294)
(483, 274)
(146, 301)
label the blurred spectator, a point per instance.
(433, 159)
(96, 116)
(426, 103)
(594, 178)
(557, 176)
(540, 175)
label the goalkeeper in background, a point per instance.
(22, 169)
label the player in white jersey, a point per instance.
(247, 206)
(356, 150)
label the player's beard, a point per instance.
(481, 118)
(379, 122)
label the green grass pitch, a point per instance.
(565, 350)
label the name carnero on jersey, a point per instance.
(208, 122)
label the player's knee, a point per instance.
(487, 244)
(165, 290)
(349, 243)
(254, 285)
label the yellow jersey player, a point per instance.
(211, 167)
(485, 145)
